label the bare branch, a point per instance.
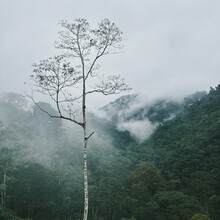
(75, 34)
(106, 37)
(54, 116)
(79, 41)
(87, 138)
(113, 85)
(53, 76)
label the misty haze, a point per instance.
(109, 110)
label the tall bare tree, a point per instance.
(77, 67)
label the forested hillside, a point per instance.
(174, 174)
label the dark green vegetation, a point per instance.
(174, 175)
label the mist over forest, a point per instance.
(109, 110)
(170, 170)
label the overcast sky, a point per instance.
(172, 47)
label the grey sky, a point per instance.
(172, 47)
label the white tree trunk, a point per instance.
(85, 172)
(85, 179)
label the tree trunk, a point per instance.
(85, 175)
(4, 191)
(85, 172)
(95, 211)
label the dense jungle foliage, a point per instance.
(173, 175)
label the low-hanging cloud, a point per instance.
(127, 112)
(140, 130)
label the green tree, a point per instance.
(200, 217)
(5, 166)
(146, 180)
(7, 150)
(202, 185)
(170, 205)
(109, 200)
(35, 193)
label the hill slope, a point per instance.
(186, 149)
(174, 174)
